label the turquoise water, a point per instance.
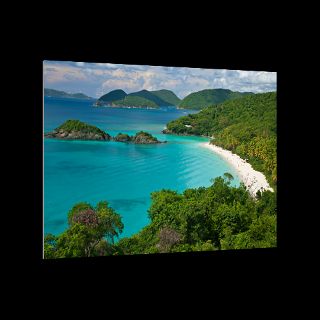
(122, 174)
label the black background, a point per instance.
(248, 45)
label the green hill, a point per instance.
(62, 94)
(164, 98)
(168, 96)
(112, 96)
(135, 101)
(204, 98)
(246, 126)
(149, 96)
(143, 98)
(76, 125)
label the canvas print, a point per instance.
(142, 159)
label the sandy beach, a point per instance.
(253, 180)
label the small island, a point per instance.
(139, 138)
(122, 137)
(77, 130)
(145, 138)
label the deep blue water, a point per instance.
(122, 174)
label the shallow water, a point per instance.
(122, 174)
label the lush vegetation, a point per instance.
(77, 125)
(204, 98)
(149, 96)
(143, 98)
(215, 218)
(167, 96)
(91, 233)
(246, 126)
(219, 217)
(144, 138)
(62, 94)
(75, 129)
(113, 96)
(142, 135)
(135, 101)
(158, 98)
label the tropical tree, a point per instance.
(90, 230)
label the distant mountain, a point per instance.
(168, 96)
(143, 98)
(112, 96)
(62, 94)
(163, 98)
(204, 98)
(149, 96)
(135, 101)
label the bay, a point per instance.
(122, 174)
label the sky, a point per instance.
(96, 79)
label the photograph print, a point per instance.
(142, 159)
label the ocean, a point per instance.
(122, 174)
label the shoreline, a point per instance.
(252, 179)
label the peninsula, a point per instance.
(243, 132)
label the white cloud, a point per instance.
(197, 81)
(128, 85)
(100, 78)
(63, 74)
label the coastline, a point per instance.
(252, 179)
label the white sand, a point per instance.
(253, 180)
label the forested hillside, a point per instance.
(219, 217)
(246, 126)
(204, 98)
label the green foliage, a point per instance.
(149, 96)
(91, 232)
(167, 96)
(144, 135)
(204, 98)
(260, 234)
(77, 241)
(112, 96)
(143, 98)
(140, 137)
(218, 217)
(246, 126)
(205, 219)
(49, 246)
(143, 242)
(204, 246)
(110, 224)
(76, 125)
(135, 101)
